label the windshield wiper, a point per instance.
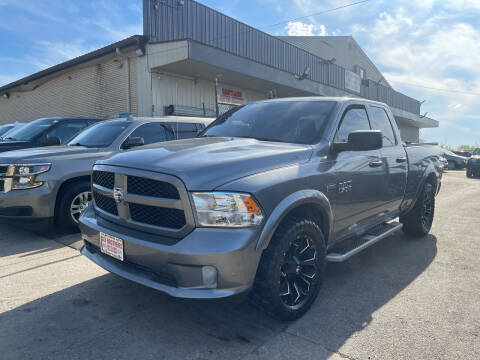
(9, 138)
(262, 139)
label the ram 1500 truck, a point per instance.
(261, 200)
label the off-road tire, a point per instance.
(418, 221)
(469, 173)
(63, 216)
(271, 279)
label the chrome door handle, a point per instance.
(401, 159)
(376, 163)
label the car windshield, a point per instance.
(30, 131)
(300, 122)
(100, 135)
(4, 129)
(476, 151)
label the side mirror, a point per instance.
(361, 140)
(132, 142)
(53, 141)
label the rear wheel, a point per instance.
(469, 173)
(419, 219)
(291, 270)
(73, 202)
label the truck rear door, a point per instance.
(393, 156)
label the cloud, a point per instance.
(298, 28)
(435, 50)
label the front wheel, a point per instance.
(419, 219)
(72, 203)
(291, 270)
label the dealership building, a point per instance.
(193, 60)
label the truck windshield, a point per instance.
(100, 135)
(300, 122)
(30, 131)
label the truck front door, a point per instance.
(359, 178)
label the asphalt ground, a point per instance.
(400, 299)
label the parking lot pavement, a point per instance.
(400, 299)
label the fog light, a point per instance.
(209, 275)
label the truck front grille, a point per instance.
(105, 203)
(142, 200)
(148, 187)
(103, 178)
(157, 216)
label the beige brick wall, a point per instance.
(98, 90)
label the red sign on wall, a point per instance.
(229, 96)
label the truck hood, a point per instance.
(49, 154)
(207, 163)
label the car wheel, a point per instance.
(419, 219)
(73, 202)
(290, 273)
(469, 173)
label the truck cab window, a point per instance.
(353, 119)
(380, 121)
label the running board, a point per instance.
(344, 251)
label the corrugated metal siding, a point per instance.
(98, 90)
(167, 21)
(409, 133)
(168, 89)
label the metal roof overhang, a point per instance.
(201, 61)
(30, 82)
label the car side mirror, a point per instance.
(53, 141)
(361, 140)
(132, 142)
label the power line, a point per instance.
(315, 14)
(436, 89)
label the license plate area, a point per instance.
(111, 245)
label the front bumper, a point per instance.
(175, 267)
(34, 208)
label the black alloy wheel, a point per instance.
(299, 272)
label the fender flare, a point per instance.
(289, 203)
(426, 174)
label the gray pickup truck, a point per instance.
(41, 185)
(261, 200)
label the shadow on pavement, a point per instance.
(108, 317)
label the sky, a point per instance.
(427, 49)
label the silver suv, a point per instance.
(38, 186)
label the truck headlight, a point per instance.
(25, 175)
(222, 209)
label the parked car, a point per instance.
(40, 185)
(6, 128)
(455, 161)
(473, 164)
(465, 154)
(261, 200)
(45, 132)
(444, 163)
